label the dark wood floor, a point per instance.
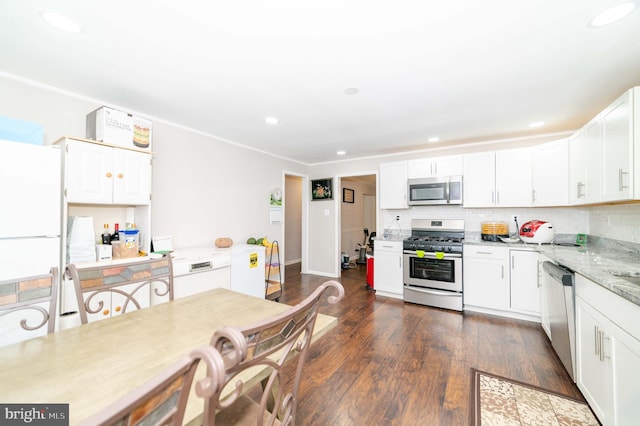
(392, 363)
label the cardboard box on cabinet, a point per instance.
(119, 128)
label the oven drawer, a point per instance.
(431, 297)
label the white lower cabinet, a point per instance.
(544, 303)
(388, 279)
(608, 353)
(525, 292)
(110, 304)
(190, 284)
(485, 277)
(501, 281)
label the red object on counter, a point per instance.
(370, 271)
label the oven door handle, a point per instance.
(432, 291)
(432, 255)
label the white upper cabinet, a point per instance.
(513, 177)
(479, 179)
(550, 175)
(99, 174)
(498, 179)
(434, 167)
(585, 164)
(617, 149)
(393, 185)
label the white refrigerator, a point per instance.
(247, 269)
(30, 210)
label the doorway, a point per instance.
(358, 213)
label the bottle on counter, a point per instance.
(106, 235)
(116, 233)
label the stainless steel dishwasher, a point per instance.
(560, 294)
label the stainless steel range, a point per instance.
(433, 263)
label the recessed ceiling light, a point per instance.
(433, 139)
(613, 14)
(351, 91)
(341, 152)
(536, 124)
(60, 21)
(272, 121)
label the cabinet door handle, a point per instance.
(596, 340)
(120, 175)
(580, 193)
(109, 175)
(533, 196)
(603, 337)
(621, 186)
(513, 262)
(400, 262)
(502, 271)
(497, 197)
(483, 252)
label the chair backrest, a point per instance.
(268, 344)
(26, 305)
(112, 289)
(163, 399)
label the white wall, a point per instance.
(202, 188)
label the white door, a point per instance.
(248, 270)
(525, 293)
(24, 257)
(30, 183)
(551, 173)
(485, 283)
(447, 166)
(593, 372)
(99, 302)
(393, 185)
(479, 179)
(131, 177)
(138, 291)
(12, 332)
(513, 177)
(617, 149)
(89, 169)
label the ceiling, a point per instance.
(459, 70)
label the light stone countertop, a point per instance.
(599, 261)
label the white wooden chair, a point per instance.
(163, 399)
(106, 290)
(27, 305)
(267, 345)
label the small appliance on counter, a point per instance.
(494, 231)
(537, 232)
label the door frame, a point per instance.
(304, 214)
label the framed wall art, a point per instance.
(347, 195)
(322, 189)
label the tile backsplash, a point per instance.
(617, 222)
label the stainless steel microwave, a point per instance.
(435, 190)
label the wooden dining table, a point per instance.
(94, 364)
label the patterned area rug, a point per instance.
(497, 401)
